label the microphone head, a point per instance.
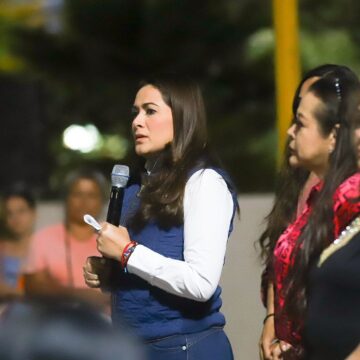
(120, 176)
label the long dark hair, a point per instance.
(339, 94)
(290, 180)
(163, 191)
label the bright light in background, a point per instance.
(115, 146)
(87, 139)
(82, 138)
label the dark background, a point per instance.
(79, 62)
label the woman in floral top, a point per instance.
(320, 139)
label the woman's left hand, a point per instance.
(279, 349)
(112, 240)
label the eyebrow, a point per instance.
(302, 118)
(300, 115)
(145, 104)
(149, 103)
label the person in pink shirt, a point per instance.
(57, 253)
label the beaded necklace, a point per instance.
(346, 235)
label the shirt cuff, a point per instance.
(142, 262)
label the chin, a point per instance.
(147, 152)
(294, 161)
(141, 152)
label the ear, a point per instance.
(332, 138)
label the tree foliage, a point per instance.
(90, 69)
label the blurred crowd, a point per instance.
(49, 262)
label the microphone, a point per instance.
(119, 180)
(111, 268)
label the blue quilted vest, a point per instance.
(152, 312)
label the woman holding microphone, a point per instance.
(177, 220)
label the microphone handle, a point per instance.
(110, 279)
(115, 204)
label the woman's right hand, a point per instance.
(271, 348)
(95, 269)
(279, 350)
(267, 339)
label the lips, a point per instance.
(292, 151)
(140, 137)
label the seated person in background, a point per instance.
(57, 253)
(59, 330)
(19, 219)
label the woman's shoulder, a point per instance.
(211, 180)
(346, 202)
(207, 174)
(52, 231)
(349, 188)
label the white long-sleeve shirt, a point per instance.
(208, 208)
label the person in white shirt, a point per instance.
(176, 223)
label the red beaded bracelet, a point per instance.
(128, 250)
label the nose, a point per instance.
(291, 131)
(138, 121)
